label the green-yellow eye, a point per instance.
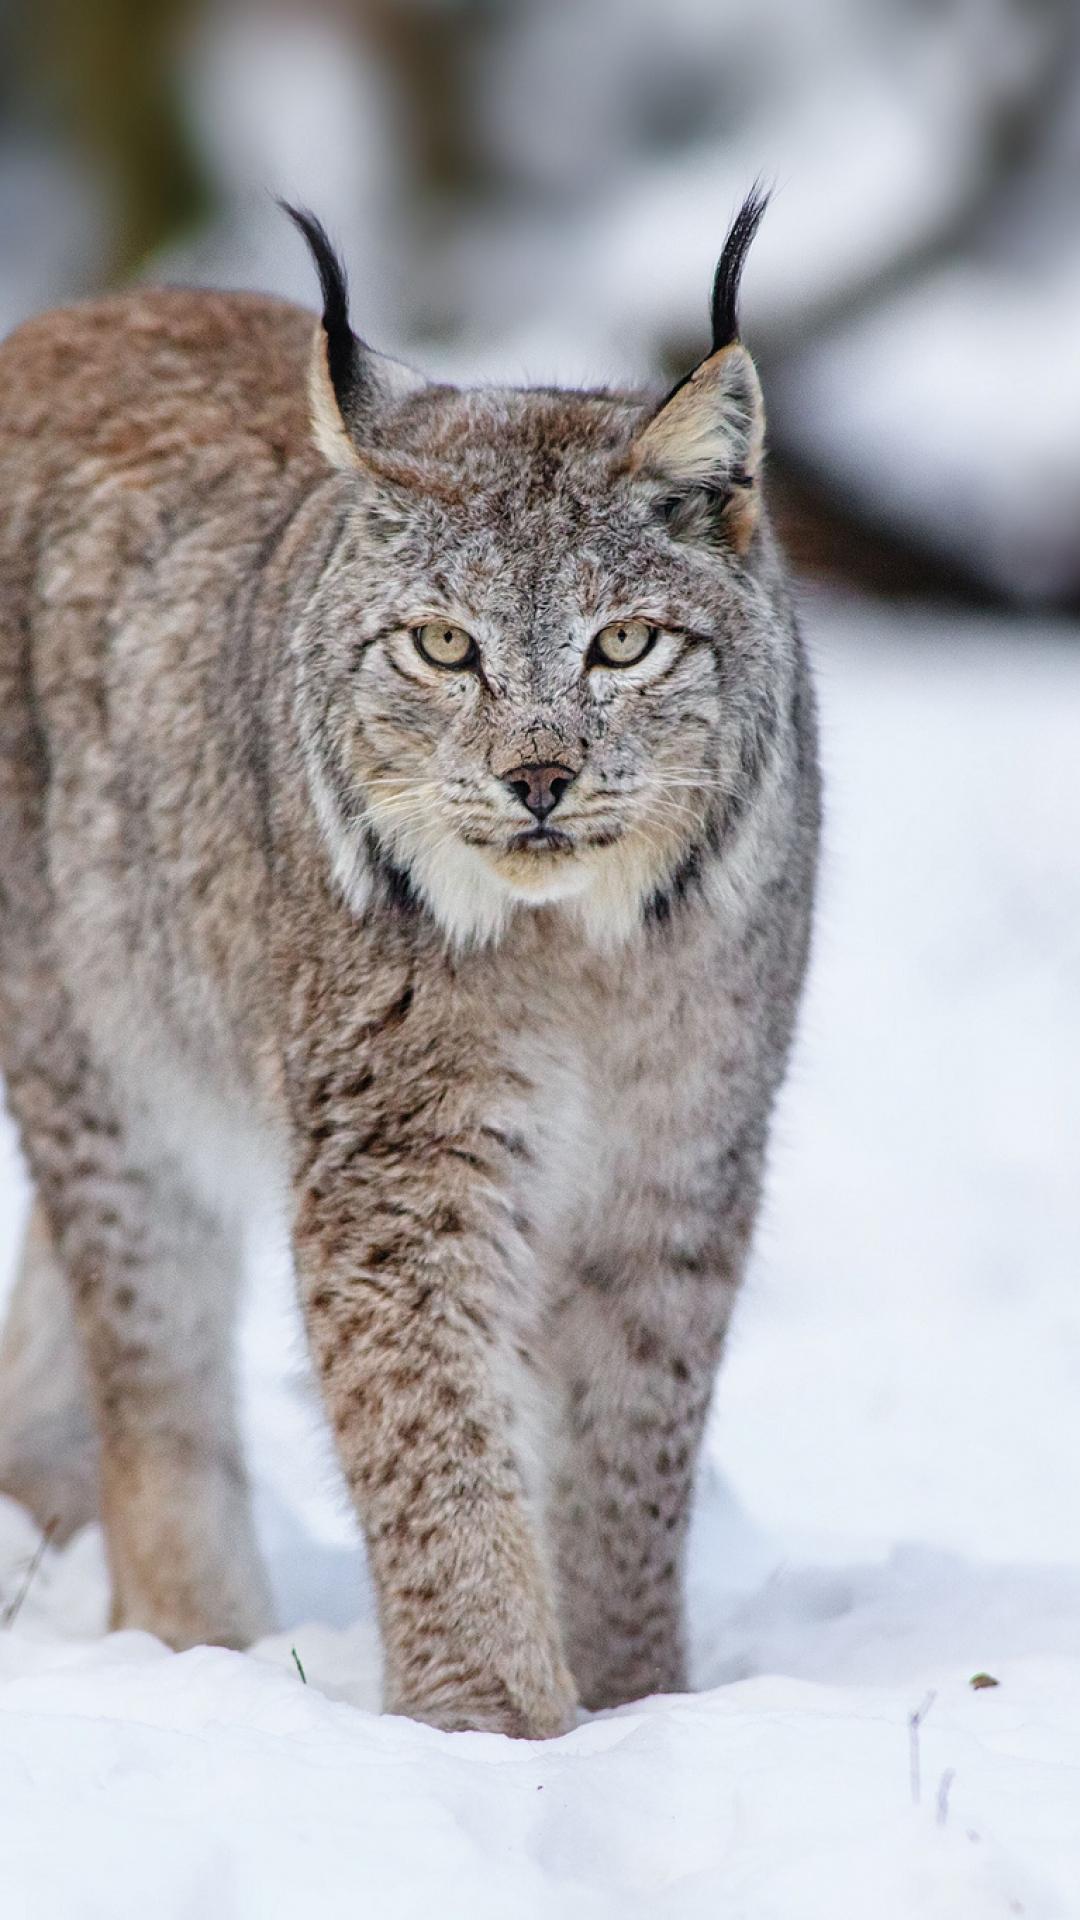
(622, 644)
(444, 644)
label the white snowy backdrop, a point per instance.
(890, 1500)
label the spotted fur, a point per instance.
(274, 938)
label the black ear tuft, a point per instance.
(343, 353)
(725, 292)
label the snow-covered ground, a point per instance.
(889, 1505)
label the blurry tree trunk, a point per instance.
(428, 49)
(427, 46)
(105, 70)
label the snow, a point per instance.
(888, 1505)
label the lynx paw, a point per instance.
(539, 1705)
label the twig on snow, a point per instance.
(14, 1606)
(944, 1784)
(915, 1721)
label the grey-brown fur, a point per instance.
(269, 940)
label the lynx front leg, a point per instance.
(407, 1262)
(636, 1346)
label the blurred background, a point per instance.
(539, 188)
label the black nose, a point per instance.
(539, 788)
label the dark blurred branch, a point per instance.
(1013, 137)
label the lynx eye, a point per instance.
(444, 644)
(622, 644)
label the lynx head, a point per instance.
(543, 659)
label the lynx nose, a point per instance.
(539, 788)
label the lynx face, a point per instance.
(539, 667)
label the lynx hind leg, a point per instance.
(636, 1356)
(48, 1445)
(153, 1278)
(157, 1320)
(174, 1490)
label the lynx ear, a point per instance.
(705, 443)
(349, 384)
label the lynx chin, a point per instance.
(408, 819)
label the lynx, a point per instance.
(408, 817)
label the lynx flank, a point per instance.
(408, 813)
